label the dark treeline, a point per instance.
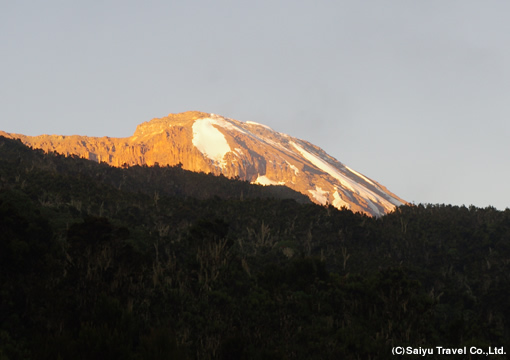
(160, 263)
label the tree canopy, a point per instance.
(158, 262)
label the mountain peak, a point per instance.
(158, 125)
(250, 151)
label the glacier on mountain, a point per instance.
(209, 140)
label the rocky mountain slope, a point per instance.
(247, 150)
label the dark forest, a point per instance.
(140, 262)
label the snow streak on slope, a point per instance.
(234, 125)
(209, 140)
(227, 124)
(346, 182)
(257, 124)
(296, 170)
(360, 175)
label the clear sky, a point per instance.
(412, 93)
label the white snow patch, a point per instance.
(257, 124)
(296, 170)
(338, 202)
(225, 123)
(209, 140)
(319, 195)
(344, 180)
(264, 180)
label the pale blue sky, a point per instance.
(414, 94)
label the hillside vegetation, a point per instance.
(161, 263)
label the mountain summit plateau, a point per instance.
(247, 150)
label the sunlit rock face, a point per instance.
(213, 144)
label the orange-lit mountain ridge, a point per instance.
(218, 145)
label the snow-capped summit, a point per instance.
(248, 150)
